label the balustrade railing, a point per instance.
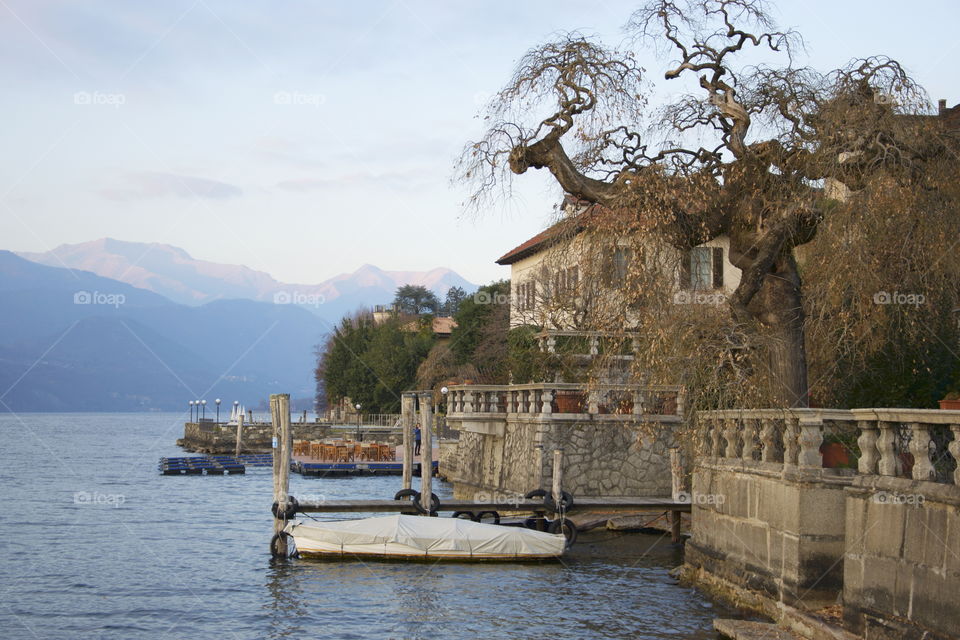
(565, 398)
(922, 444)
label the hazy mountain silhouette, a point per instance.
(173, 273)
(71, 340)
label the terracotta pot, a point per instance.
(950, 405)
(835, 455)
(570, 402)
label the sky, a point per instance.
(306, 139)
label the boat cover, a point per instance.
(411, 536)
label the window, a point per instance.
(565, 281)
(526, 296)
(616, 267)
(702, 269)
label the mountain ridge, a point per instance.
(172, 272)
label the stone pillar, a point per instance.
(730, 435)
(426, 449)
(888, 459)
(920, 448)
(791, 448)
(810, 440)
(954, 449)
(547, 402)
(867, 441)
(768, 440)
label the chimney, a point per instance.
(942, 106)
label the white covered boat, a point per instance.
(419, 537)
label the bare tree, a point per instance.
(767, 156)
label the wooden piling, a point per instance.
(426, 449)
(408, 408)
(557, 488)
(282, 446)
(676, 477)
(239, 433)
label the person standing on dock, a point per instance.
(416, 440)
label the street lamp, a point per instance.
(218, 410)
(203, 407)
(191, 411)
(359, 435)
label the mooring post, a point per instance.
(239, 432)
(426, 450)
(282, 444)
(408, 408)
(557, 476)
(676, 476)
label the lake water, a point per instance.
(97, 544)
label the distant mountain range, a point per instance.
(173, 273)
(76, 340)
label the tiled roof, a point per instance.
(571, 225)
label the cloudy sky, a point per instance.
(306, 139)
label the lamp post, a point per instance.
(359, 435)
(218, 410)
(191, 411)
(203, 407)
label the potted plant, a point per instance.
(951, 401)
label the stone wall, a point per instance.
(901, 576)
(774, 531)
(602, 455)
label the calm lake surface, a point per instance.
(97, 544)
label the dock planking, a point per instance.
(618, 503)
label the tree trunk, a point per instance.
(779, 308)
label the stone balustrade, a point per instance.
(559, 399)
(921, 444)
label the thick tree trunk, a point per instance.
(779, 308)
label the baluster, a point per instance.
(790, 447)
(954, 449)
(468, 401)
(768, 440)
(681, 400)
(749, 438)
(547, 399)
(714, 441)
(636, 396)
(920, 448)
(730, 435)
(888, 459)
(810, 440)
(593, 402)
(867, 441)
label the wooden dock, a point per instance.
(600, 503)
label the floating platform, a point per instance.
(213, 465)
